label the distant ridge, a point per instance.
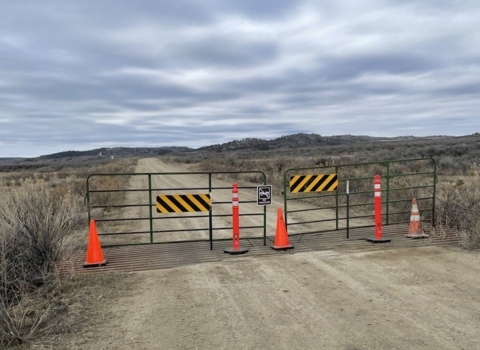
(288, 142)
(118, 152)
(300, 140)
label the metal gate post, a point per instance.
(348, 208)
(388, 192)
(150, 205)
(434, 190)
(265, 216)
(210, 218)
(285, 198)
(336, 201)
(87, 199)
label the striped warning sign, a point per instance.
(313, 183)
(183, 203)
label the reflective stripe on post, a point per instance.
(377, 186)
(235, 196)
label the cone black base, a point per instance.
(282, 248)
(422, 235)
(103, 263)
(232, 251)
(378, 240)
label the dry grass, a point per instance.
(36, 228)
(458, 207)
(87, 299)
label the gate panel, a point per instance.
(402, 180)
(173, 207)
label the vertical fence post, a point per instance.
(265, 216)
(285, 197)
(87, 200)
(336, 201)
(388, 193)
(434, 190)
(210, 215)
(348, 208)
(150, 206)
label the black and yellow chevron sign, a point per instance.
(183, 203)
(313, 183)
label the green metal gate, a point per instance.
(124, 207)
(402, 180)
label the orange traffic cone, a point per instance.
(94, 251)
(415, 229)
(281, 236)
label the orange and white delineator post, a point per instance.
(415, 229)
(378, 238)
(236, 249)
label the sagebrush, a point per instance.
(42, 221)
(36, 229)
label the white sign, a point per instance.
(264, 195)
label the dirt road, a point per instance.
(422, 298)
(426, 298)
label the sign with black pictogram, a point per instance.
(264, 195)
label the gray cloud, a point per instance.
(77, 75)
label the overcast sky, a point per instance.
(76, 75)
